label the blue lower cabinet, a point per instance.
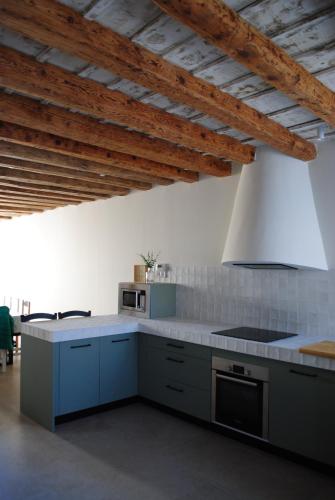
(78, 375)
(118, 367)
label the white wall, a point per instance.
(322, 172)
(74, 257)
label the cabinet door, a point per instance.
(118, 367)
(325, 418)
(302, 411)
(79, 375)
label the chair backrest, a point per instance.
(25, 307)
(31, 317)
(16, 305)
(70, 314)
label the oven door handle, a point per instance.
(237, 380)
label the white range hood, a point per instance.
(274, 222)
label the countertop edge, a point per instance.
(187, 332)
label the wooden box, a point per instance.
(139, 273)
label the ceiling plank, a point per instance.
(171, 159)
(13, 150)
(225, 29)
(44, 179)
(54, 191)
(61, 87)
(5, 217)
(105, 180)
(57, 25)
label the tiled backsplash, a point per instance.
(293, 301)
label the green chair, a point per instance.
(6, 335)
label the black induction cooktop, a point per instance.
(255, 334)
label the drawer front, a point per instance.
(194, 372)
(181, 397)
(177, 346)
(79, 375)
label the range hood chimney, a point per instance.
(274, 224)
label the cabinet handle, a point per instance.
(177, 346)
(174, 388)
(80, 346)
(296, 372)
(175, 360)
(237, 380)
(121, 340)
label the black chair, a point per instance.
(24, 319)
(30, 317)
(71, 314)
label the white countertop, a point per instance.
(190, 331)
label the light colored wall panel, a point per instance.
(74, 257)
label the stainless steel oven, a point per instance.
(240, 396)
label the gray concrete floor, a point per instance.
(137, 452)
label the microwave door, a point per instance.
(129, 299)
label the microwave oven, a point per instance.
(147, 300)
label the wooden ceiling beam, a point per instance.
(57, 25)
(63, 88)
(26, 204)
(27, 190)
(9, 215)
(55, 191)
(5, 213)
(50, 180)
(24, 196)
(17, 208)
(47, 157)
(86, 138)
(228, 31)
(31, 188)
(64, 173)
(34, 187)
(33, 200)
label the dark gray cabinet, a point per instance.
(64, 377)
(118, 367)
(78, 375)
(302, 411)
(176, 374)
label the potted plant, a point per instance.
(150, 260)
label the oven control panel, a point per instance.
(240, 369)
